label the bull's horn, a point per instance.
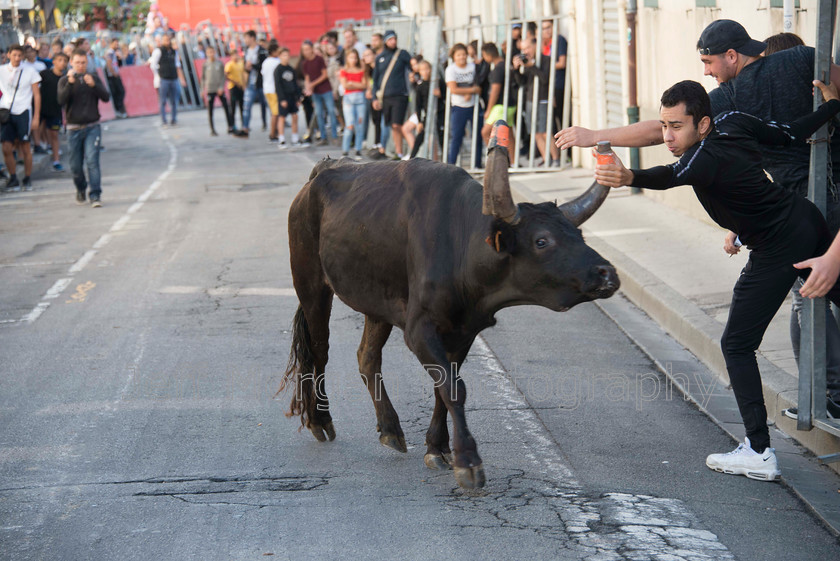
(580, 209)
(498, 201)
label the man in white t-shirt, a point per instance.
(269, 88)
(19, 86)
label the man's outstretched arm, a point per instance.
(644, 133)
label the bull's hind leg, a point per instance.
(370, 366)
(317, 310)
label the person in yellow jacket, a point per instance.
(236, 82)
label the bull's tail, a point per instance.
(301, 371)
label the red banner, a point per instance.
(141, 99)
(106, 109)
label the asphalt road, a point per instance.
(142, 343)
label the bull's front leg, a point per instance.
(424, 340)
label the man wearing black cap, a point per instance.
(773, 88)
(390, 89)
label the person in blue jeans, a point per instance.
(80, 92)
(165, 60)
(255, 55)
(317, 86)
(354, 80)
(460, 79)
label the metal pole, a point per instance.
(812, 348)
(508, 55)
(445, 156)
(520, 108)
(633, 107)
(431, 105)
(552, 78)
(567, 90)
(476, 132)
(535, 101)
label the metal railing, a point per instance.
(811, 405)
(503, 32)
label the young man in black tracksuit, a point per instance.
(722, 161)
(288, 94)
(80, 92)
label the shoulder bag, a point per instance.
(6, 114)
(380, 94)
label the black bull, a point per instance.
(407, 245)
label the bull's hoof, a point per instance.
(394, 441)
(438, 461)
(470, 477)
(323, 433)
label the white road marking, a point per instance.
(35, 264)
(86, 258)
(641, 526)
(57, 288)
(36, 312)
(83, 261)
(118, 225)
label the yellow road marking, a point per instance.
(81, 292)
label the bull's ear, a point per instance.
(502, 238)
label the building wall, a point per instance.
(672, 30)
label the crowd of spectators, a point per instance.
(344, 87)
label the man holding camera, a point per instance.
(526, 72)
(80, 93)
(19, 86)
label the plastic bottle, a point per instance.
(604, 154)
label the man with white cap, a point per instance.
(390, 88)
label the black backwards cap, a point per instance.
(724, 34)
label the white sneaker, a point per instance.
(281, 144)
(746, 461)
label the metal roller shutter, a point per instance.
(613, 91)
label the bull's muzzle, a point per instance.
(604, 281)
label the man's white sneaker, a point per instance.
(746, 461)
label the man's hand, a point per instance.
(575, 136)
(829, 92)
(89, 80)
(729, 244)
(824, 272)
(517, 62)
(221, 92)
(307, 91)
(377, 105)
(71, 78)
(284, 104)
(613, 175)
(36, 122)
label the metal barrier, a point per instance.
(503, 32)
(811, 406)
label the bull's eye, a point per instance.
(541, 243)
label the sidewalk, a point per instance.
(674, 268)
